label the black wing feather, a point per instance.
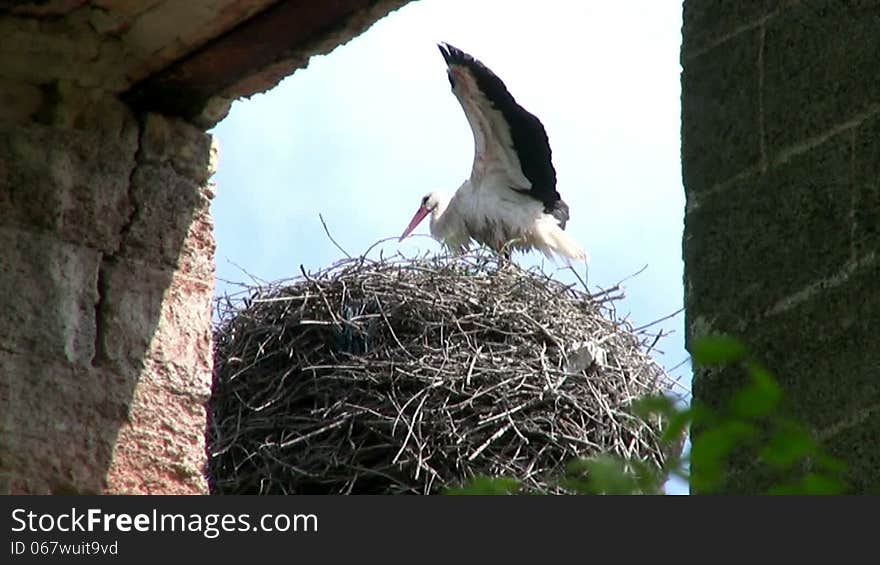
(526, 130)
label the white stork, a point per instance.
(510, 201)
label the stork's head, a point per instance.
(430, 203)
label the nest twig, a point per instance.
(411, 375)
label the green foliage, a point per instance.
(488, 485)
(605, 474)
(717, 350)
(751, 425)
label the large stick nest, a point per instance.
(412, 375)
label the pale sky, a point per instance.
(363, 133)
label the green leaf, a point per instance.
(758, 398)
(703, 415)
(579, 466)
(710, 450)
(791, 444)
(716, 350)
(811, 484)
(649, 479)
(675, 427)
(604, 474)
(786, 489)
(576, 477)
(713, 445)
(648, 406)
(829, 464)
(822, 484)
(482, 485)
(675, 419)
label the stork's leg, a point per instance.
(504, 253)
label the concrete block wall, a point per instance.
(781, 167)
(106, 279)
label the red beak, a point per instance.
(420, 215)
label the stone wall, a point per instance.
(106, 273)
(781, 166)
(106, 286)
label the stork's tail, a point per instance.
(553, 240)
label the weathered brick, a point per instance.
(720, 113)
(109, 121)
(167, 204)
(114, 17)
(162, 449)
(770, 235)
(185, 147)
(127, 8)
(820, 68)
(18, 101)
(58, 424)
(131, 306)
(73, 183)
(44, 8)
(47, 295)
(196, 257)
(43, 51)
(154, 313)
(77, 430)
(183, 335)
(81, 238)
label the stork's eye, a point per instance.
(425, 201)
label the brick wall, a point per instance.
(781, 167)
(106, 269)
(107, 278)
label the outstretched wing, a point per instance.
(506, 135)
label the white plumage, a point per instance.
(510, 200)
